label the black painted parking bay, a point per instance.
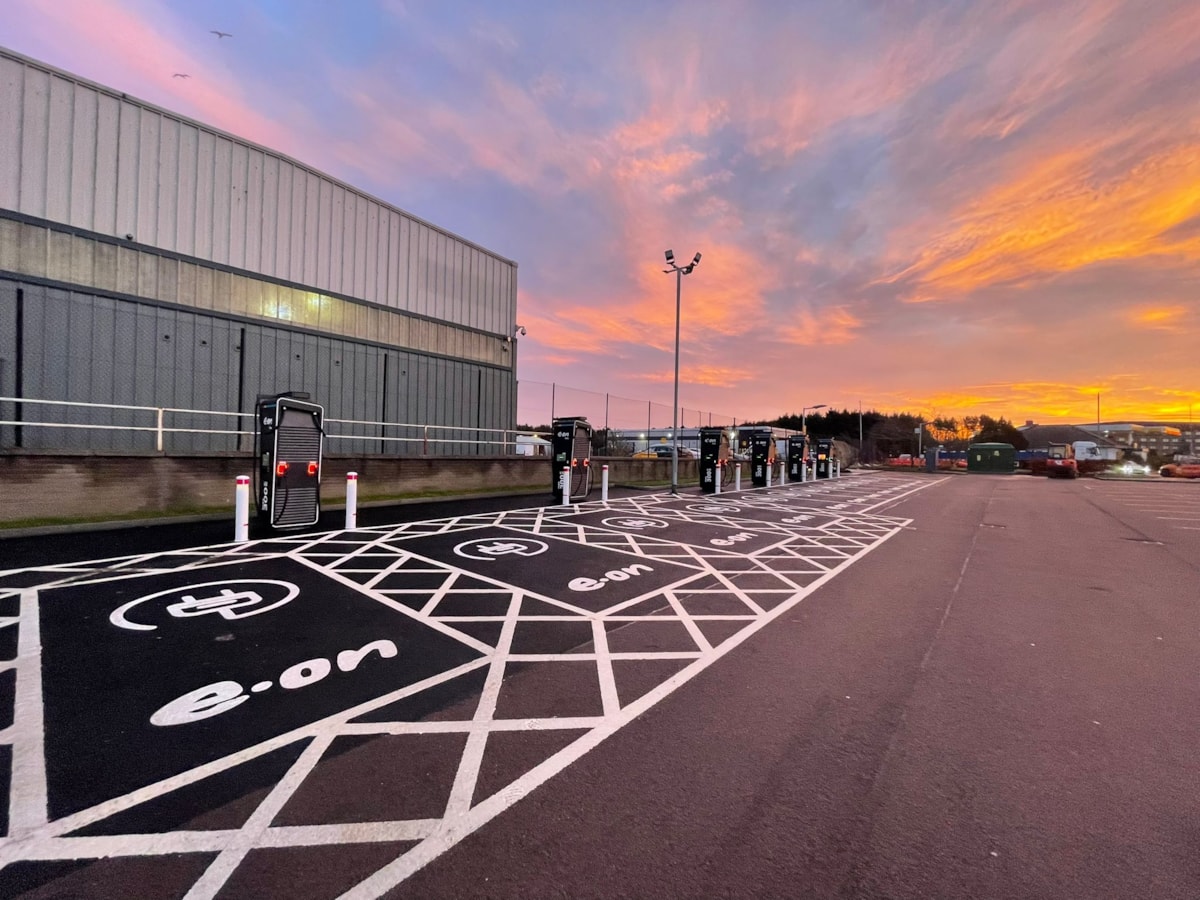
(201, 704)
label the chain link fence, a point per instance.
(625, 425)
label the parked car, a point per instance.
(1180, 470)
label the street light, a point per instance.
(679, 273)
(804, 414)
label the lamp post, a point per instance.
(804, 415)
(679, 271)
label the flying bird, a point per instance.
(221, 34)
(180, 75)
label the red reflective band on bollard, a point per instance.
(351, 476)
(243, 479)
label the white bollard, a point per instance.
(720, 475)
(241, 509)
(566, 486)
(770, 470)
(837, 468)
(783, 473)
(604, 483)
(737, 476)
(803, 470)
(351, 501)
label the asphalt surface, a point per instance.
(994, 695)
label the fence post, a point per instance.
(241, 509)
(351, 501)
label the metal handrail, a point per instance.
(507, 437)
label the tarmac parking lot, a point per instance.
(834, 687)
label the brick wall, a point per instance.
(97, 486)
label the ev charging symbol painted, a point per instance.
(491, 549)
(244, 599)
(636, 523)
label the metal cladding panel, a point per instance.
(84, 112)
(12, 80)
(82, 155)
(58, 150)
(166, 211)
(8, 352)
(148, 180)
(35, 143)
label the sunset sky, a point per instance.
(944, 208)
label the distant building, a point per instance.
(1164, 439)
(150, 260)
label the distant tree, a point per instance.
(1000, 431)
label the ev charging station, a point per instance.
(288, 440)
(797, 457)
(824, 458)
(761, 457)
(571, 448)
(714, 447)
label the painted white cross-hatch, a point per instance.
(199, 712)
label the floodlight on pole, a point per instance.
(679, 272)
(804, 416)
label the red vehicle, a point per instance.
(1183, 469)
(1060, 462)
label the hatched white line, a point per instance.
(696, 634)
(432, 847)
(199, 773)
(471, 642)
(27, 796)
(566, 723)
(439, 595)
(246, 838)
(100, 846)
(467, 775)
(610, 703)
(874, 536)
(593, 657)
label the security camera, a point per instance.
(670, 254)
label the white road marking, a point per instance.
(799, 563)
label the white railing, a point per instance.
(159, 423)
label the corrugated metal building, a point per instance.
(146, 259)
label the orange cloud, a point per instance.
(1064, 214)
(1166, 318)
(831, 325)
(713, 376)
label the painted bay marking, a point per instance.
(227, 602)
(489, 549)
